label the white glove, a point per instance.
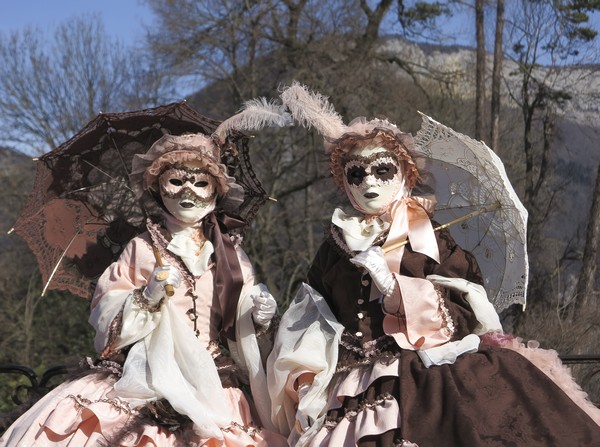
(265, 305)
(373, 260)
(160, 277)
(477, 298)
(447, 353)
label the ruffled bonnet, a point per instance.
(205, 151)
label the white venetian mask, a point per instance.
(373, 179)
(188, 193)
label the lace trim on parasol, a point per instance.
(485, 184)
(255, 196)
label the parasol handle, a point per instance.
(169, 290)
(485, 209)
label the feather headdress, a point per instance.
(311, 109)
(254, 115)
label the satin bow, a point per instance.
(410, 219)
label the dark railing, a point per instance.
(592, 373)
(581, 359)
(38, 386)
(24, 387)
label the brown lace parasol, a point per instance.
(81, 211)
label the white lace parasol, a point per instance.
(469, 178)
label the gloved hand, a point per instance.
(160, 277)
(265, 305)
(373, 260)
(477, 298)
(447, 353)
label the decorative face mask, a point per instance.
(188, 193)
(373, 179)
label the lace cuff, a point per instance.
(140, 299)
(113, 333)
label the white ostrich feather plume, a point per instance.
(313, 109)
(254, 115)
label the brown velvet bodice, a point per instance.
(346, 288)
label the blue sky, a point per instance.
(127, 19)
(124, 19)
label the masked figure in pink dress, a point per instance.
(178, 318)
(401, 347)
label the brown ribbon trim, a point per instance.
(228, 273)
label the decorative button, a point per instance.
(359, 334)
(360, 301)
(365, 282)
(360, 315)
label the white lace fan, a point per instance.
(470, 180)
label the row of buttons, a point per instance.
(365, 283)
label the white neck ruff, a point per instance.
(195, 255)
(359, 233)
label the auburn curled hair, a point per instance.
(398, 143)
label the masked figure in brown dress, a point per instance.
(401, 347)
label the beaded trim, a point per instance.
(104, 366)
(113, 332)
(81, 403)
(335, 236)
(351, 415)
(214, 348)
(237, 239)
(250, 429)
(223, 362)
(366, 349)
(448, 325)
(383, 349)
(140, 299)
(160, 240)
(404, 443)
